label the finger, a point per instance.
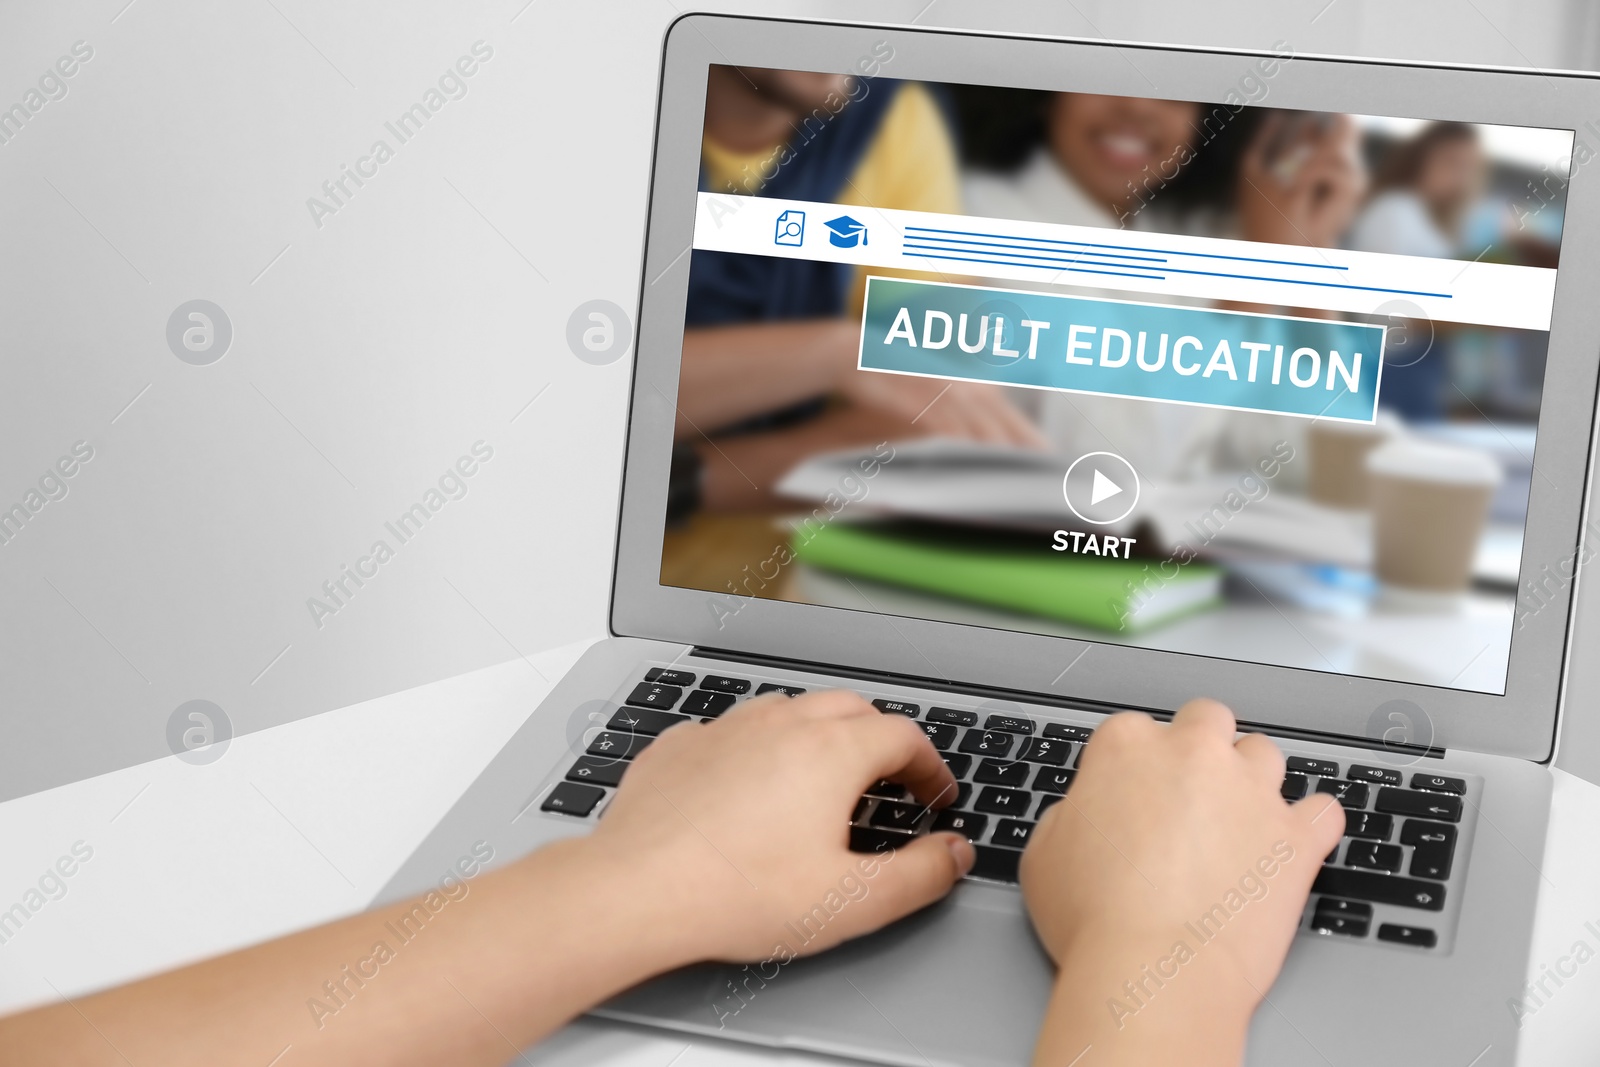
(1263, 756)
(830, 704)
(1321, 819)
(1206, 718)
(893, 747)
(909, 878)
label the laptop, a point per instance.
(1361, 337)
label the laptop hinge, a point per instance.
(1055, 700)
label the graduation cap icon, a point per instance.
(846, 232)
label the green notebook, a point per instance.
(1107, 594)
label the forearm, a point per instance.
(731, 373)
(470, 980)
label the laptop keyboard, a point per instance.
(1393, 877)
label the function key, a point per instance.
(1379, 888)
(701, 702)
(721, 684)
(571, 798)
(618, 746)
(1065, 732)
(897, 707)
(779, 687)
(1381, 775)
(595, 771)
(952, 716)
(1294, 786)
(1350, 794)
(1013, 724)
(654, 695)
(667, 676)
(644, 720)
(1013, 833)
(1408, 935)
(1046, 750)
(987, 743)
(1306, 765)
(1438, 784)
(1421, 805)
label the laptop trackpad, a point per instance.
(963, 982)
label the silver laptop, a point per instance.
(1339, 485)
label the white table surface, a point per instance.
(304, 822)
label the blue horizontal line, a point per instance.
(1003, 263)
(1016, 248)
(1129, 248)
(1180, 270)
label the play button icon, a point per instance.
(1101, 488)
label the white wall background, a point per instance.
(370, 353)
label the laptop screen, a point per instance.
(1209, 378)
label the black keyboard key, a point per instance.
(1322, 768)
(1332, 923)
(721, 684)
(963, 795)
(571, 798)
(618, 746)
(959, 764)
(654, 695)
(1434, 845)
(1294, 786)
(898, 816)
(779, 687)
(877, 839)
(1372, 856)
(1350, 794)
(995, 864)
(961, 822)
(997, 800)
(1439, 784)
(987, 743)
(1013, 833)
(860, 809)
(1064, 732)
(1419, 936)
(668, 676)
(1379, 888)
(1046, 750)
(1381, 775)
(1335, 906)
(1014, 724)
(644, 720)
(1046, 802)
(1053, 779)
(887, 790)
(596, 771)
(1410, 802)
(952, 716)
(1002, 772)
(897, 707)
(1368, 824)
(941, 735)
(702, 702)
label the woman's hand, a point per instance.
(1301, 180)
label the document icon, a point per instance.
(791, 229)
(846, 232)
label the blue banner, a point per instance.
(1187, 355)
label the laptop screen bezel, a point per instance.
(1520, 723)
